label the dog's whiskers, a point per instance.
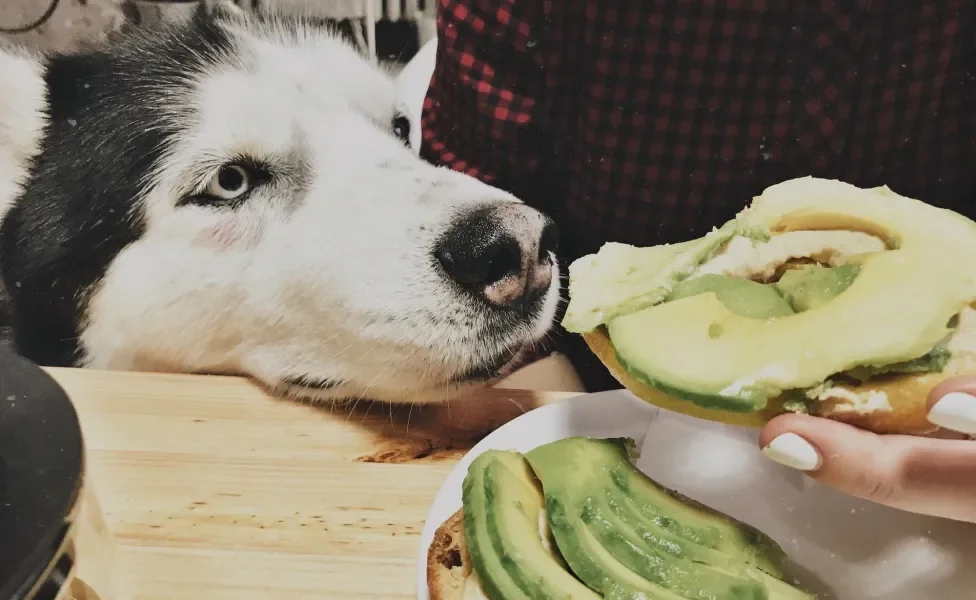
(386, 364)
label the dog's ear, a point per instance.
(23, 110)
(412, 84)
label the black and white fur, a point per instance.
(242, 194)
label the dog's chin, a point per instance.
(311, 389)
(469, 379)
(504, 365)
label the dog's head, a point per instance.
(242, 195)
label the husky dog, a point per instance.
(243, 194)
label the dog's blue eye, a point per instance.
(401, 128)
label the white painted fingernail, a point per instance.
(793, 451)
(955, 411)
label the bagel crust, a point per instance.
(907, 395)
(448, 563)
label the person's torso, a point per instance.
(668, 116)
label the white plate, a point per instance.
(844, 548)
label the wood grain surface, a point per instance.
(214, 490)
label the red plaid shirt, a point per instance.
(651, 121)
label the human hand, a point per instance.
(930, 475)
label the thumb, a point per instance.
(924, 475)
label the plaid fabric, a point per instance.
(653, 121)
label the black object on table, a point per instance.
(41, 476)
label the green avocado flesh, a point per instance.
(933, 362)
(813, 286)
(798, 290)
(743, 297)
(502, 504)
(619, 535)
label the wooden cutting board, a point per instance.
(215, 491)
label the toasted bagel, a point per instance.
(906, 393)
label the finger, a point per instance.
(925, 475)
(952, 404)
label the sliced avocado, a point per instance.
(687, 578)
(627, 537)
(515, 512)
(743, 297)
(697, 349)
(592, 563)
(766, 566)
(535, 501)
(668, 511)
(663, 538)
(485, 559)
(933, 362)
(813, 286)
(620, 279)
(505, 505)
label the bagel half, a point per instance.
(868, 353)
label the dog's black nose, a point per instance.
(502, 253)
